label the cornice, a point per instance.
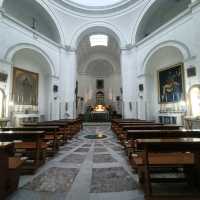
(92, 11)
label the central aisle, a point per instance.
(84, 170)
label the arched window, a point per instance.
(194, 100)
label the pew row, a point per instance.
(10, 169)
(173, 153)
(29, 145)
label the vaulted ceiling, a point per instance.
(102, 58)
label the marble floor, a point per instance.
(83, 170)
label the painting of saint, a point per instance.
(25, 87)
(171, 84)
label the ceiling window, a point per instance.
(98, 40)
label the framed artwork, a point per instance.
(100, 84)
(25, 87)
(171, 84)
(3, 77)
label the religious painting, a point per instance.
(100, 84)
(25, 87)
(171, 84)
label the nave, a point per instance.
(84, 169)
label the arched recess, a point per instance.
(12, 50)
(99, 62)
(171, 43)
(37, 15)
(161, 59)
(113, 63)
(97, 27)
(30, 58)
(156, 14)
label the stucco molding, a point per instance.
(47, 8)
(13, 49)
(96, 27)
(185, 51)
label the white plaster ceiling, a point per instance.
(161, 12)
(99, 68)
(27, 10)
(102, 57)
(96, 2)
(95, 7)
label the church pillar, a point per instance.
(54, 98)
(1, 3)
(68, 73)
(129, 83)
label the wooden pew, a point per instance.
(10, 169)
(51, 136)
(122, 132)
(125, 135)
(63, 133)
(132, 135)
(75, 125)
(116, 123)
(119, 127)
(29, 144)
(179, 146)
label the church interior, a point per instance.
(99, 99)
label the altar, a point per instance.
(100, 114)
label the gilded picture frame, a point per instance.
(25, 87)
(171, 84)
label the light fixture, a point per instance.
(99, 135)
(98, 40)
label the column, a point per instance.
(129, 82)
(54, 99)
(68, 74)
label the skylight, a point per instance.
(98, 40)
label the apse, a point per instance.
(99, 70)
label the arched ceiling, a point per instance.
(99, 68)
(31, 13)
(101, 53)
(25, 57)
(95, 3)
(95, 7)
(164, 57)
(161, 12)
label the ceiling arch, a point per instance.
(177, 47)
(95, 7)
(98, 27)
(36, 15)
(19, 47)
(156, 14)
(99, 68)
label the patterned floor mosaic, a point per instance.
(83, 170)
